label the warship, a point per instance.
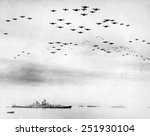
(10, 112)
(118, 106)
(92, 106)
(43, 105)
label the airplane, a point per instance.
(102, 49)
(60, 27)
(76, 9)
(111, 43)
(85, 7)
(53, 10)
(53, 52)
(111, 19)
(106, 26)
(65, 43)
(22, 16)
(96, 9)
(52, 23)
(60, 19)
(80, 32)
(87, 29)
(81, 26)
(65, 9)
(14, 19)
(99, 23)
(58, 42)
(83, 14)
(5, 33)
(29, 18)
(7, 20)
(73, 29)
(50, 43)
(114, 22)
(106, 20)
(92, 11)
(68, 23)
(105, 41)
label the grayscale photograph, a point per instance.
(74, 59)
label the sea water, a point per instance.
(77, 113)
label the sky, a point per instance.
(28, 68)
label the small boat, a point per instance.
(92, 106)
(10, 112)
(118, 106)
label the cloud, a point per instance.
(35, 74)
(29, 73)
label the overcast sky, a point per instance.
(60, 78)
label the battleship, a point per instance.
(43, 105)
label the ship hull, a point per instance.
(46, 107)
(10, 112)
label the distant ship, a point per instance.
(43, 105)
(92, 106)
(10, 112)
(118, 106)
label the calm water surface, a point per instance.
(76, 113)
